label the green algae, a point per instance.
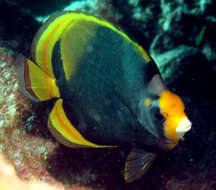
(42, 150)
(200, 36)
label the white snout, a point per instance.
(183, 126)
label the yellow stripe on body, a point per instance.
(143, 52)
(43, 89)
(66, 129)
(47, 41)
(43, 52)
(53, 32)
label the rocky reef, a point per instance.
(180, 36)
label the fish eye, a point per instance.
(156, 113)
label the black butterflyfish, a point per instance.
(108, 90)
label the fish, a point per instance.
(107, 89)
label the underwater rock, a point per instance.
(188, 71)
(189, 23)
(10, 181)
(139, 19)
(17, 28)
(183, 67)
(19, 147)
(42, 9)
(163, 26)
(18, 25)
(31, 149)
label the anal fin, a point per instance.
(64, 131)
(137, 164)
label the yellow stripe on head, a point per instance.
(66, 129)
(172, 109)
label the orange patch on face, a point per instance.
(172, 109)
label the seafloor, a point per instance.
(180, 36)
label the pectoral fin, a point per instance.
(137, 164)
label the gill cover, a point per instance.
(166, 111)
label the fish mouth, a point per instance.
(183, 126)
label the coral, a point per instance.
(9, 180)
(25, 139)
(185, 63)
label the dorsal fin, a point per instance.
(52, 30)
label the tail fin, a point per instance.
(35, 83)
